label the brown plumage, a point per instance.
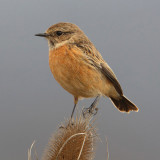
(80, 69)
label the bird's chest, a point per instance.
(73, 73)
(64, 64)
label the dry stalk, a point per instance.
(30, 152)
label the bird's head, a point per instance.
(61, 33)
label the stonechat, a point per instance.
(79, 67)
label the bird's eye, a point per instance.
(59, 33)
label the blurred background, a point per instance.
(32, 104)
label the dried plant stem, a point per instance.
(30, 152)
(107, 149)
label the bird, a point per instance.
(80, 69)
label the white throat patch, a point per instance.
(57, 45)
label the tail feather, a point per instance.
(124, 105)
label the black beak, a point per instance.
(42, 35)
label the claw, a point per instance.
(92, 110)
(89, 111)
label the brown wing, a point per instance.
(111, 77)
(94, 58)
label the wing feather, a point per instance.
(94, 58)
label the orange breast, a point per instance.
(70, 68)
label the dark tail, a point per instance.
(124, 105)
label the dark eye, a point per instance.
(59, 33)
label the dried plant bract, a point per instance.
(75, 140)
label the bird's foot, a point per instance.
(89, 111)
(92, 110)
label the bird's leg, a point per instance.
(73, 110)
(92, 109)
(75, 103)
